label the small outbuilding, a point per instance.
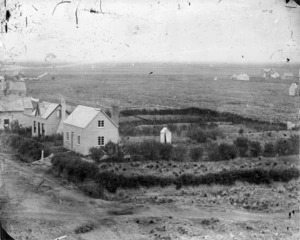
(165, 135)
(294, 89)
(243, 77)
(287, 76)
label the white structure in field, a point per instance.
(165, 135)
(294, 89)
(240, 77)
(287, 76)
(275, 75)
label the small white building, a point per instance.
(243, 77)
(275, 75)
(165, 135)
(88, 127)
(294, 89)
(287, 76)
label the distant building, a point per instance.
(294, 90)
(290, 125)
(275, 75)
(243, 77)
(12, 86)
(267, 72)
(88, 127)
(234, 77)
(287, 76)
(47, 118)
(165, 135)
(14, 108)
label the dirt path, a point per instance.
(55, 210)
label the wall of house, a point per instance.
(50, 124)
(23, 119)
(89, 135)
(79, 148)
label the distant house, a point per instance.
(88, 127)
(287, 76)
(275, 75)
(47, 118)
(12, 86)
(243, 77)
(234, 77)
(14, 108)
(294, 90)
(267, 72)
(165, 135)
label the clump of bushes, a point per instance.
(242, 145)
(17, 128)
(112, 182)
(202, 135)
(113, 152)
(228, 151)
(196, 153)
(73, 168)
(28, 149)
(150, 150)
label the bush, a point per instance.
(255, 149)
(28, 149)
(179, 153)
(269, 150)
(294, 144)
(283, 147)
(150, 149)
(196, 153)
(165, 151)
(227, 151)
(214, 153)
(242, 145)
(115, 152)
(96, 153)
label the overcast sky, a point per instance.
(148, 30)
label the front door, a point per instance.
(39, 129)
(72, 139)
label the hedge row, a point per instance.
(77, 170)
(112, 181)
(28, 149)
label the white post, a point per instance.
(42, 157)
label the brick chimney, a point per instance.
(115, 114)
(63, 109)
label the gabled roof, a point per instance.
(164, 130)
(13, 104)
(83, 115)
(45, 109)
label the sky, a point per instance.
(188, 31)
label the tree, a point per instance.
(269, 150)
(196, 153)
(228, 151)
(242, 144)
(255, 149)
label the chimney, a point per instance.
(63, 109)
(115, 114)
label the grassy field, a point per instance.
(169, 86)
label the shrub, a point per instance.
(114, 151)
(96, 153)
(179, 153)
(283, 147)
(165, 151)
(214, 153)
(294, 144)
(227, 151)
(150, 149)
(196, 153)
(242, 145)
(269, 150)
(255, 149)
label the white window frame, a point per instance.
(100, 124)
(101, 138)
(67, 136)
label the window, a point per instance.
(78, 140)
(58, 113)
(67, 136)
(100, 123)
(6, 121)
(101, 141)
(43, 129)
(34, 126)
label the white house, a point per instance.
(243, 77)
(15, 108)
(165, 135)
(275, 75)
(47, 118)
(287, 76)
(294, 89)
(88, 127)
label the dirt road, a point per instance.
(56, 209)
